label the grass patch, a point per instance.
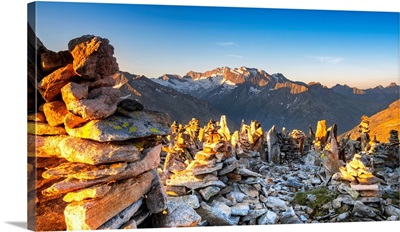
(322, 196)
(394, 196)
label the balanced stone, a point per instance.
(93, 57)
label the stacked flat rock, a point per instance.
(92, 157)
(222, 184)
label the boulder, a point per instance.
(93, 57)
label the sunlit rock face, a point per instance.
(92, 156)
(93, 57)
(118, 128)
(50, 86)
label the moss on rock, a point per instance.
(322, 196)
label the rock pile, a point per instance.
(228, 182)
(92, 157)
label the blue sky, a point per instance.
(360, 49)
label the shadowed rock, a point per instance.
(51, 61)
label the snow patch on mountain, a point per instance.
(203, 84)
(254, 90)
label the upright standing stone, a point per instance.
(273, 146)
(320, 135)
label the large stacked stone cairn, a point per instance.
(92, 157)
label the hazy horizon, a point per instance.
(360, 49)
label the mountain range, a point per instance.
(181, 107)
(272, 99)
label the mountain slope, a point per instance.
(381, 123)
(181, 107)
(253, 94)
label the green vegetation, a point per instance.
(322, 196)
(394, 196)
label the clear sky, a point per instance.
(357, 48)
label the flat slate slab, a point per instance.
(120, 128)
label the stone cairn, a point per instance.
(92, 157)
(216, 178)
(223, 181)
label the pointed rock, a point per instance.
(273, 146)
